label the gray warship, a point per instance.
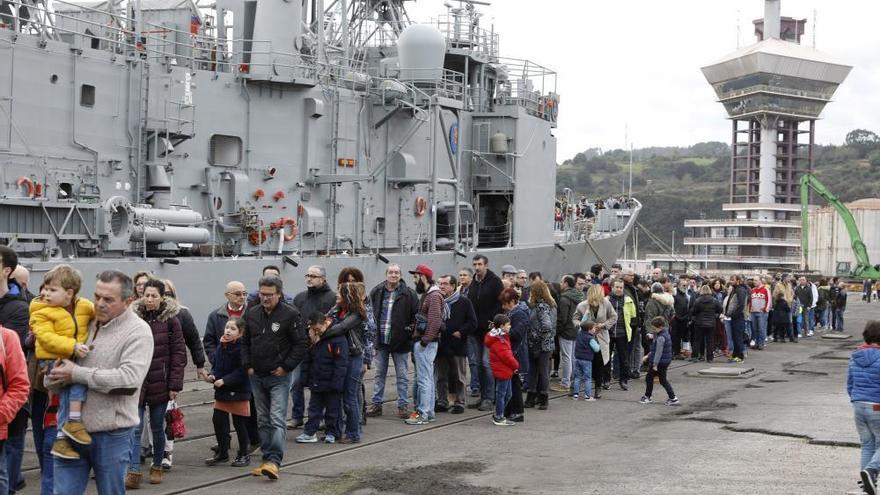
(204, 141)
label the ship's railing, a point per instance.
(463, 33)
(432, 82)
(86, 27)
(525, 84)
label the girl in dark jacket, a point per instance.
(542, 330)
(165, 377)
(232, 394)
(704, 314)
(781, 315)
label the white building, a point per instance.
(830, 246)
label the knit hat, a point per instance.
(656, 288)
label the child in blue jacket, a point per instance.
(585, 347)
(863, 387)
(323, 371)
(658, 361)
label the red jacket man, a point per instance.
(14, 386)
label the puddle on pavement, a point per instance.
(436, 479)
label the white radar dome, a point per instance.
(421, 51)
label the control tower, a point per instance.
(773, 92)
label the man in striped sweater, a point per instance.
(427, 334)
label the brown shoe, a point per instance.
(76, 431)
(269, 470)
(156, 474)
(257, 471)
(63, 450)
(133, 480)
(374, 411)
(403, 412)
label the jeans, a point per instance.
(583, 373)
(76, 392)
(39, 403)
(487, 380)
(838, 320)
(759, 328)
(270, 396)
(157, 427)
(108, 457)
(473, 361)
(728, 332)
(635, 352)
(661, 372)
(47, 478)
(823, 316)
(424, 356)
(539, 372)
(14, 451)
(514, 405)
(401, 366)
(737, 330)
(351, 403)
(566, 354)
(868, 427)
(810, 316)
(297, 396)
(502, 395)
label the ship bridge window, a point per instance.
(225, 151)
(87, 95)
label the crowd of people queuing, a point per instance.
(101, 375)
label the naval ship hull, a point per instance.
(200, 281)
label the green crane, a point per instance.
(863, 269)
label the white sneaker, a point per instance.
(809, 334)
(166, 461)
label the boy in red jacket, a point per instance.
(503, 364)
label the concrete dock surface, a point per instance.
(784, 428)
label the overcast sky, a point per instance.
(637, 63)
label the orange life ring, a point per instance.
(257, 237)
(421, 206)
(284, 222)
(24, 181)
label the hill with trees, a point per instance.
(679, 183)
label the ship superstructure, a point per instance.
(204, 141)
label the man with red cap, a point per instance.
(429, 319)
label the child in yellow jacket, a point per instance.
(60, 321)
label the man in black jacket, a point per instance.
(450, 365)
(483, 294)
(735, 310)
(394, 306)
(273, 345)
(681, 324)
(318, 296)
(13, 308)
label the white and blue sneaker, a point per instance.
(329, 438)
(306, 438)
